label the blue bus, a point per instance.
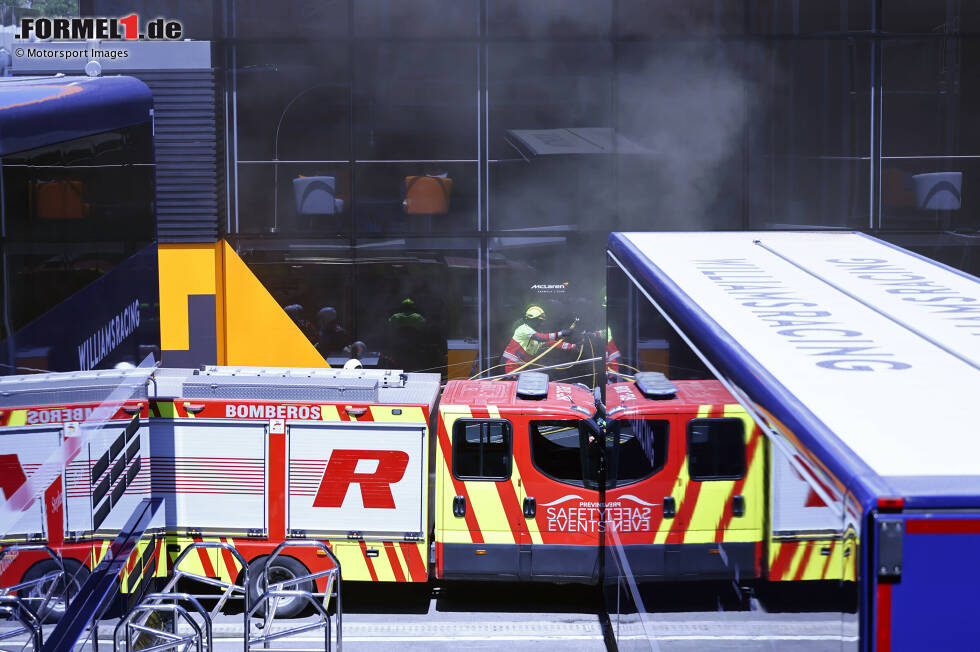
(77, 226)
(860, 362)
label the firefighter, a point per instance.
(527, 341)
(410, 338)
(407, 316)
(612, 353)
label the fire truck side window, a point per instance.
(481, 449)
(639, 449)
(556, 450)
(716, 449)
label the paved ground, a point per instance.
(517, 618)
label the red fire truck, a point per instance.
(496, 480)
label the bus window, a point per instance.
(716, 449)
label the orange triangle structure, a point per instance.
(255, 330)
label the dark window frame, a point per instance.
(613, 483)
(459, 430)
(585, 483)
(709, 478)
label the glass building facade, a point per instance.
(473, 155)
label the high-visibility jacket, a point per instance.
(527, 343)
(612, 353)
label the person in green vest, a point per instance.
(527, 341)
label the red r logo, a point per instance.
(375, 487)
(11, 475)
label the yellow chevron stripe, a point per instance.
(814, 569)
(166, 409)
(454, 529)
(130, 581)
(17, 418)
(408, 415)
(486, 502)
(531, 523)
(329, 413)
(749, 527)
(423, 548)
(353, 566)
(711, 503)
(382, 565)
(460, 536)
(492, 519)
(163, 568)
(101, 553)
(680, 487)
(192, 562)
(404, 562)
(516, 481)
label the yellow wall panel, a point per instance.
(184, 269)
(257, 331)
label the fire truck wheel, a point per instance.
(52, 610)
(283, 569)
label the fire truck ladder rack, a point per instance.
(41, 593)
(230, 589)
(275, 593)
(150, 638)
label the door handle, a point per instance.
(670, 507)
(459, 506)
(530, 507)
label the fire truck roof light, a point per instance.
(532, 385)
(654, 385)
(890, 504)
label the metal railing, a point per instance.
(28, 611)
(147, 637)
(275, 593)
(263, 608)
(14, 609)
(267, 635)
(78, 628)
(229, 589)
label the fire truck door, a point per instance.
(367, 478)
(21, 453)
(211, 475)
(559, 465)
(718, 497)
(478, 517)
(641, 471)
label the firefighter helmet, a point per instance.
(534, 312)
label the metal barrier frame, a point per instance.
(230, 588)
(14, 605)
(153, 602)
(279, 589)
(56, 575)
(266, 636)
(273, 593)
(102, 586)
(15, 609)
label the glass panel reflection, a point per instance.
(737, 508)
